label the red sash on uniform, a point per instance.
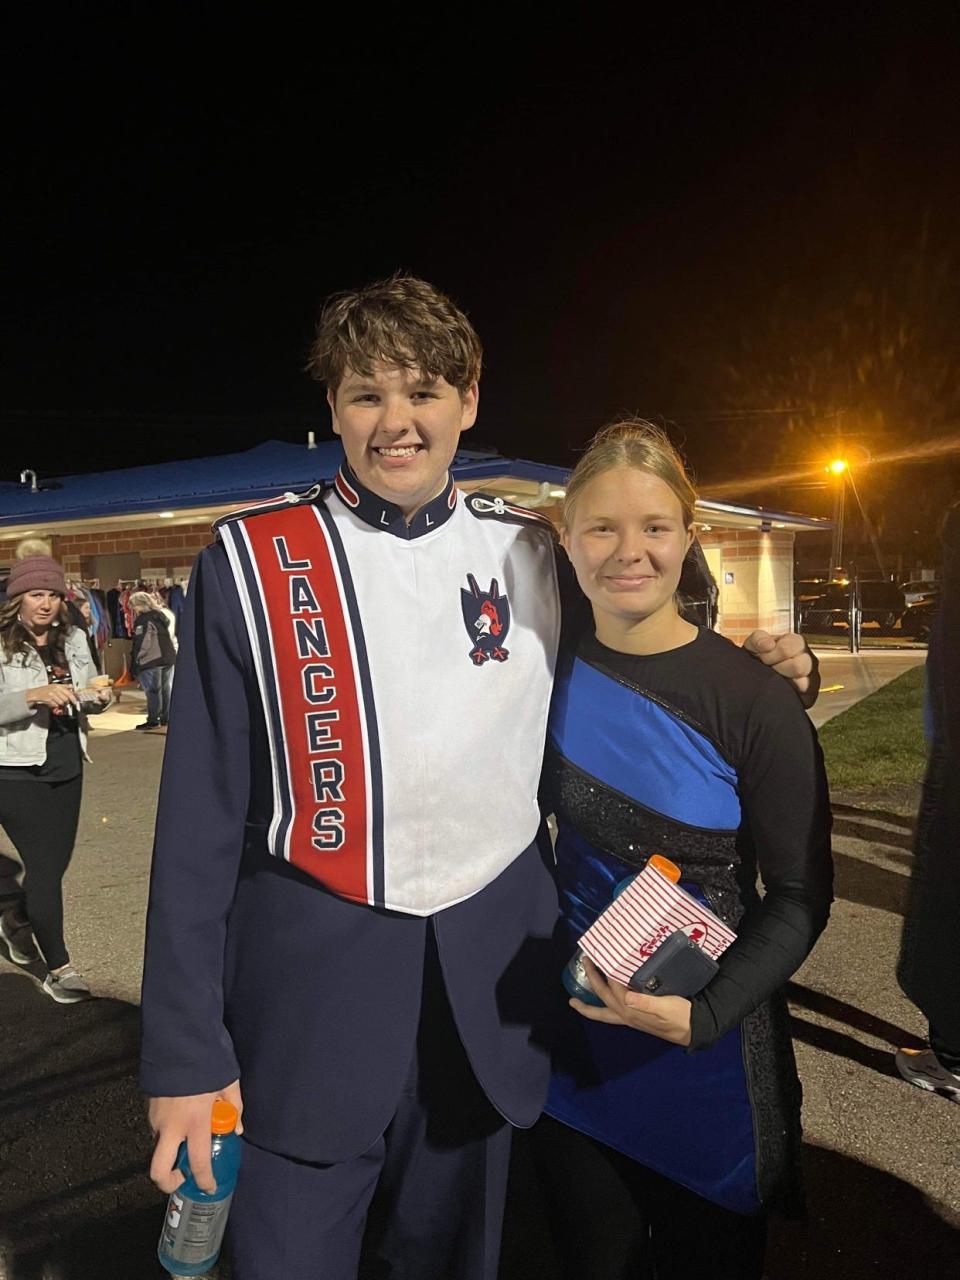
(307, 641)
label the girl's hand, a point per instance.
(102, 687)
(51, 695)
(667, 1017)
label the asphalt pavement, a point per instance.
(75, 1203)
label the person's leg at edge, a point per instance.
(41, 819)
(300, 1221)
(439, 1206)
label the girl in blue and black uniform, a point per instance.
(666, 738)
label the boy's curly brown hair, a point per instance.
(402, 322)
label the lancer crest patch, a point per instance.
(486, 616)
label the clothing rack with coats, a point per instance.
(93, 619)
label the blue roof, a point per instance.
(261, 472)
(267, 469)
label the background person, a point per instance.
(44, 663)
(666, 738)
(167, 676)
(929, 965)
(85, 623)
(152, 658)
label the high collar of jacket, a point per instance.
(387, 516)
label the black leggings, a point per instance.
(41, 820)
(594, 1195)
(947, 1054)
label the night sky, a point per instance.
(680, 217)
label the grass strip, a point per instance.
(879, 742)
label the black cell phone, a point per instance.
(678, 967)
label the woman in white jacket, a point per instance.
(45, 674)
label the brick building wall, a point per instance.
(162, 551)
(761, 593)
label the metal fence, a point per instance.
(842, 619)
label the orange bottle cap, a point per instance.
(223, 1117)
(665, 867)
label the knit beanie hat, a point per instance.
(36, 573)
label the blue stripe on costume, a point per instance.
(604, 728)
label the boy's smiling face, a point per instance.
(400, 431)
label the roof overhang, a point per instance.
(533, 484)
(190, 493)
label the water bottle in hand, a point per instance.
(196, 1220)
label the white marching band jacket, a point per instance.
(405, 672)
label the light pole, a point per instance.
(838, 469)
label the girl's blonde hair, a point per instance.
(636, 443)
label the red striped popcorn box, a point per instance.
(642, 916)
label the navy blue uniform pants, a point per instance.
(425, 1202)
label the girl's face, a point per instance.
(38, 609)
(626, 541)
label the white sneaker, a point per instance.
(66, 987)
(923, 1068)
(19, 940)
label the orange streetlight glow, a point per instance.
(838, 466)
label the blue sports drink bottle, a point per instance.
(196, 1220)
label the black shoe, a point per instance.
(148, 724)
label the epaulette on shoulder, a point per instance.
(489, 506)
(279, 503)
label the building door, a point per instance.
(109, 569)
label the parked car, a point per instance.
(919, 589)
(919, 615)
(882, 605)
(810, 588)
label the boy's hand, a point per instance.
(789, 656)
(175, 1120)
